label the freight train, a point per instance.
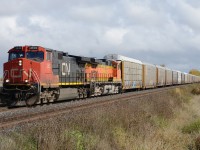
(38, 75)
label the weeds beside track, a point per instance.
(18, 119)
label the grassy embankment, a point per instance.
(163, 121)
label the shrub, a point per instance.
(196, 91)
(192, 127)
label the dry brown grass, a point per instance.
(154, 122)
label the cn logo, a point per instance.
(17, 73)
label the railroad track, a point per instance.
(16, 119)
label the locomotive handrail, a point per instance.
(37, 78)
(4, 75)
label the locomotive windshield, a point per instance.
(15, 55)
(37, 55)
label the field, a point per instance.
(164, 121)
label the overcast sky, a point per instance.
(155, 31)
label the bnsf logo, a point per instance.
(65, 68)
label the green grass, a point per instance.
(193, 127)
(160, 121)
(78, 139)
(19, 141)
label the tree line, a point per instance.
(194, 72)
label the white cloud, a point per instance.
(115, 35)
(142, 14)
(9, 28)
(151, 30)
(40, 21)
(188, 14)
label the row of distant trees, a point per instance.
(194, 72)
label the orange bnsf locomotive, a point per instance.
(34, 74)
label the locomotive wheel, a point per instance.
(32, 100)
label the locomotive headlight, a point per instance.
(7, 80)
(26, 81)
(20, 63)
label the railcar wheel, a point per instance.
(30, 101)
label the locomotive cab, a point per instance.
(20, 62)
(27, 74)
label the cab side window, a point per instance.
(49, 56)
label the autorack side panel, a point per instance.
(131, 75)
(160, 75)
(175, 77)
(131, 71)
(193, 79)
(149, 75)
(186, 78)
(197, 78)
(182, 78)
(179, 77)
(189, 78)
(168, 76)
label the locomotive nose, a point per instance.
(14, 71)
